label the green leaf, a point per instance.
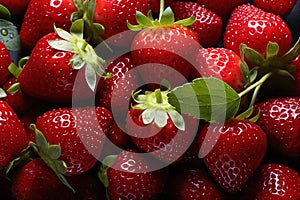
(14, 70)
(167, 17)
(253, 56)
(2, 93)
(54, 152)
(14, 88)
(41, 141)
(106, 163)
(292, 53)
(186, 22)
(253, 74)
(246, 114)
(206, 98)
(245, 72)
(99, 27)
(77, 28)
(143, 20)
(272, 50)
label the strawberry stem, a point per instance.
(161, 9)
(158, 96)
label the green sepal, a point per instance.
(186, 22)
(77, 28)
(79, 13)
(167, 17)
(14, 70)
(209, 99)
(2, 93)
(4, 13)
(246, 114)
(49, 154)
(292, 54)
(14, 88)
(253, 56)
(256, 117)
(102, 173)
(272, 50)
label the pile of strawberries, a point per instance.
(149, 99)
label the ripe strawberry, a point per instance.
(54, 71)
(193, 184)
(158, 129)
(13, 136)
(220, 63)
(273, 181)
(278, 7)
(118, 136)
(113, 14)
(208, 25)
(232, 151)
(165, 48)
(281, 122)
(5, 61)
(115, 93)
(35, 181)
(41, 15)
(15, 7)
(256, 28)
(80, 132)
(224, 8)
(129, 178)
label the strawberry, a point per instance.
(220, 63)
(115, 93)
(256, 28)
(5, 61)
(80, 132)
(224, 8)
(278, 7)
(273, 181)
(36, 180)
(128, 177)
(157, 128)
(15, 7)
(232, 151)
(53, 70)
(41, 15)
(13, 136)
(113, 14)
(281, 122)
(208, 25)
(194, 184)
(165, 48)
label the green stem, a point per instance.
(255, 85)
(158, 96)
(161, 9)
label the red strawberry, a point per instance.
(15, 7)
(113, 14)
(207, 26)
(280, 119)
(223, 8)
(115, 93)
(35, 181)
(232, 151)
(13, 136)
(158, 129)
(220, 63)
(118, 136)
(56, 68)
(256, 28)
(278, 7)
(41, 15)
(5, 61)
(194, 184)
(80, 132)
(164, 48)
(273, 181)
(129, 178)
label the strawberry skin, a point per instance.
(40, 17)
(5, 61)
(224, 8)
(81, 139)
(208, 25)
(194, 184)
(162, 50)
(273, 181)
(13, 136)
(15, 7)
(113, 14)
(256, 28)
(280, 119)
(278, 7)
(220, 63)
(48, 74)
(232, 151)
(36, 181)
(129, 178)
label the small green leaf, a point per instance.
(255, 118)
(106, 163)
(206, 98)
(253, 56)
(14, 88)
(14, 70)
(90, 77)
(245, 72)
(272, 50)
(167, 17)
(143, 20)
(77, 28)
(100, 28)
(54, 152)
(292, 53)
(253, 74)
(246, 114)
(186, 22)
(285, 73)
(41, 141)
(2, 93)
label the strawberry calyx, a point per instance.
(166, 18)
(50, 154)
(156, 108)
(84, 55)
